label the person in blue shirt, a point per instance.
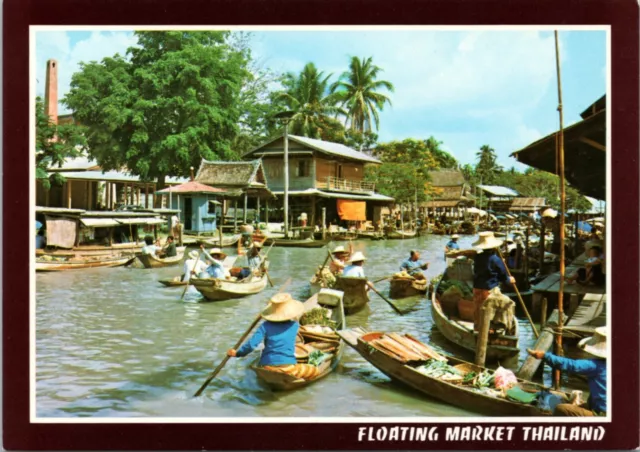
(488, 272)
(452, 244)
(216, 259)
(414, 266)
(278, 332)
(595, 369)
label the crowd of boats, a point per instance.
(334, 296)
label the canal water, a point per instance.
(116, 343)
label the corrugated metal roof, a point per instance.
(324, 194)
(77, 163)
(497, 190)
(327, 147)
(113, 176)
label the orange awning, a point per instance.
(352, 210)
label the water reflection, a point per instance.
(114, 342)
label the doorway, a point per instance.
(188, 212)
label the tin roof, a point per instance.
(497, 190)
(190, 187)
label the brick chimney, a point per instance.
(51, 91)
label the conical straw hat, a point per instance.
(213, 251)
(193, 254)
(455, 236)
(486, 241)
(357, 257)
(595, 345)
(282, 307)
(339, 249)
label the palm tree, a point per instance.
(307, 94)
(357, 90)
(487, 167)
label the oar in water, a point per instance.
(524, 307)
(190, 276)
(238, 344)
(386, 299)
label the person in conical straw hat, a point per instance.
(339, 257)
(193, 266)
(452, 245)
(278, 333)
(594, 367)
(355, 267)
(216, 267)
(488, 272)
(253, 255)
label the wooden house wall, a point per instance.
(201, 219)
(274, 167)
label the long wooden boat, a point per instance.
(462, 396)
(175, 282)
(407, 287)
(280, 381)
(372, 235)
(152, 261)
(227, 241)
(344, 236)
(355, 291)
(460, 332)
(296, 243)
(60, 264)
(396, 234)
(219, 289)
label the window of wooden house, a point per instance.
(211, 207)
(303, 168)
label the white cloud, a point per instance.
(58, 46)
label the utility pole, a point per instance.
(286, 179)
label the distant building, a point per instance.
(321, 174)
(451, 193)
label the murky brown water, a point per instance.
(114, 342)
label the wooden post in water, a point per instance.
(543, 232)
(266, 213)
(235, 216)
(543, 313)
(483, 335)
(257, 216)
(146, 196)
(324, 223)
(556, 376)
(525, 264)
(244, 208)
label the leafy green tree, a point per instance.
(171, 102)
(387, 178)
(442, 157)
(487, 168)
(307, 95)
(54, 144)
(409, 151)
(358, 90)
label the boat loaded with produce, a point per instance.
(452, 310)
(405, 359)
(318, 347)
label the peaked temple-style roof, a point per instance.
(191, 187)
(325, 147)
(234, 177)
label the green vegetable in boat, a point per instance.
(317, 357)
(463, 286)
(317, 316)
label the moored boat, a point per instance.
(397, 234)
(355, 291)
(401, 287)
(152, 261)
(297, 243)
(227, 241)
(175, 282)
(454, 391)
(456, 324)
(220, 289)
(329, 343)
(49, 264)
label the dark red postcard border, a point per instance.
(19, 14)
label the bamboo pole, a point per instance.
(543, 313)
(556, 376)
(324, 223)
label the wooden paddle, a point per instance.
(238, 344)
(190, 276)
(524, 307)
(386, 299)
(264, 259)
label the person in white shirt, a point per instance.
(216, 258)
(193, 266)
(149, 248)
(355, 267)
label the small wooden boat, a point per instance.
(297, 243)
(396, 234)
(355, 291)
(59, 263)
(220, 289)
(407, 287)
(227, 241)
(151, 261)
(464, 396)
(280, 381)
(175, 282)
(344, 236)
(460, 331)
(372, 235)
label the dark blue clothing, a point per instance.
(488, 271)
(594, 369)
(279, 343)
(453, 245)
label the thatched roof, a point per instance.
(235, 176)
(527, 204)
(443, 193)
(446, 178)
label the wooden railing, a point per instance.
(339, 184)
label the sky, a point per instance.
(465, 87)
